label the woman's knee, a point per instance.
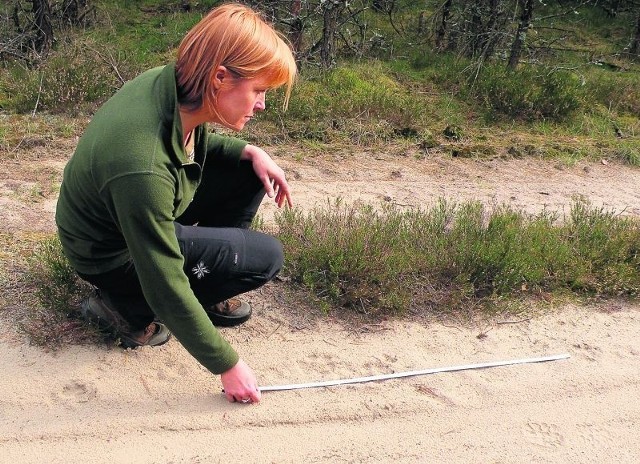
(276, 254)
(267, 253)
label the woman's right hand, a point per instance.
(240, 384)
(271, 175)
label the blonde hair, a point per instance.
(236, 37)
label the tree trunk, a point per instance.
(635, 44)
(332, 9)
(492, 33)
(476, 30)
(421, 23)
(73, 11)
(521, 34)
(42, 26)
(612, 7)
(16, 18)
(444, 23)
(297, 26)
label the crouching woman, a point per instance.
(154, 209)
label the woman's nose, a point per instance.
(260, 103)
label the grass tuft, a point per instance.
(57, 287)
(56, 293)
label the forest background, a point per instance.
(371, 71)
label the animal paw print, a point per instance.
(79, 391)
(594, 436)
(544, 435)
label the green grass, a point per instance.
(23, 131)
(361, 103)
(57, 287)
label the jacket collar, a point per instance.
(165, 90)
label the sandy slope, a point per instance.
(102, 404)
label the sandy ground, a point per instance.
(94, 404)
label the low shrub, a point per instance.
(360, 102)
(76, 77)
(529, 93)
(57, 286)
(449, 258)
(619, 92)
(605, 251)
(57, 292)
(391, 260)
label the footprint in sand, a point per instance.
(594, 436)
(591, 352)
(544, 435)
(435, 394)
(79, 391)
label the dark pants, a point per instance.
(222, 257)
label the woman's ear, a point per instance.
(219, 77)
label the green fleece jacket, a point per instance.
(127, 182)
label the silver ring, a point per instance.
(246, 400)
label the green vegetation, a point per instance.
(70, 79)
(57, 287)
(55, 293)
(392, 83)
(453, 257)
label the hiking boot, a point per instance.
(155, 334)
(229, 313)
(96, 311)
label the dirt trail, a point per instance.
(530, 185)
(102, 404)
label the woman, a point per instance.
(154, 210)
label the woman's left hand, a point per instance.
(271, 175)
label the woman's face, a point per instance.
(239, 99)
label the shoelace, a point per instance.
(149, 332)
(231, 305)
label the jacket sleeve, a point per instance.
(142, 205)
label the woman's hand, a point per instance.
(271, 175)
(240, 384)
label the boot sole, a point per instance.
(228, 321)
